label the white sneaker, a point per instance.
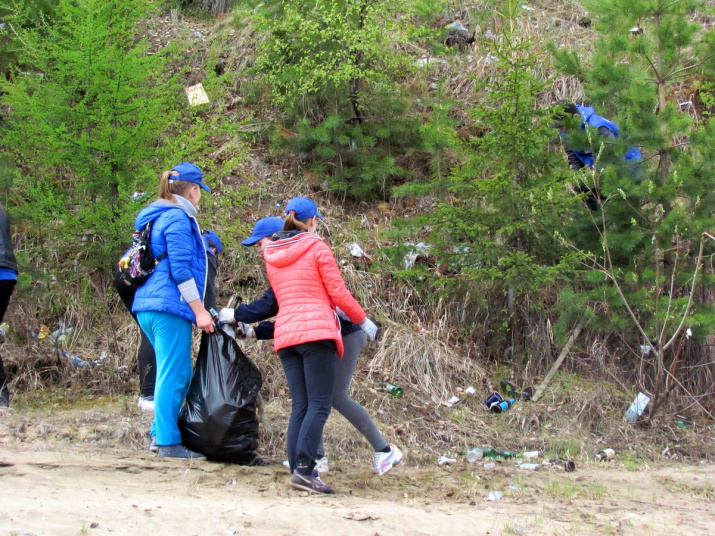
(321, 465)
(384, 461)
(146, 403)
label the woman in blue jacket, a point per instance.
(172, 298)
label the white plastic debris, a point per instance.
(688, 333)
(645, 349)
(196, 95)
(415, 251)
(356, 250)
(444, 460)
(451, 402)
(470, 390)
(637, 407)
(457, 26)
(493, 496)
(424, 61)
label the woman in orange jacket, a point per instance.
(308, 286)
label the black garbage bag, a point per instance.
(219, 418)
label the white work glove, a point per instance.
(226, 316)
(369, 327)
(341, 313)
(244, 331)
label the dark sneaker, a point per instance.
(179, 451)
(4, 398)
(312, 483)
(153, 447)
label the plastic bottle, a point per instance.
(394, 390)
(606, 454)
(532, 454)
(75, 360)
(475, 455)
(530, 466)
(490, 465)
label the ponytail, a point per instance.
(291, 224)
(168, 186)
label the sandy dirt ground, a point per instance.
(86, 490)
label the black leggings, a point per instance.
(146, 355)
(6, 288)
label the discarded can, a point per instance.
(606, 454)
(530, 466)
(394, 390)
(475, 455)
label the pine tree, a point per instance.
(84, 120)
(497, 225)
(336, 67)
(650, 225)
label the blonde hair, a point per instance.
(168, 189)
(291, 224)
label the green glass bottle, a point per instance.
(394, 390)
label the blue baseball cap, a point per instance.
(303, 207)
(190, 173)
(212, 239)
(264, 228)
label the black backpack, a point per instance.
(138, 263)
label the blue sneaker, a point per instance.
(179, 451)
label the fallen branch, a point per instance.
(564, 352)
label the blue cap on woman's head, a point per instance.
(264, 228)
(211, 239)
(190, 173)
(303, 207)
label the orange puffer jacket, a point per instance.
(308, 285)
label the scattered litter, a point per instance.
(197, 95)
(489, 465)
(636, 30)
(356, 250)
(61, 334)
(197, 34)
(560, 464)
(444, 460)
(138, 196)
(493, 398)
(75, 360)
(43, 334)
(423, 62)
(645, 349)
(688, 333)
(470, 390)
(526, 8)
(636, 408)
(530, 466)
(420, 329)
(665, 451)
(532, 454)
(415, 251)
(606, 454)
(457, 26)
(451, 402)
(98, 362)
(4, 328)
(493, 496)
(515, 488)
